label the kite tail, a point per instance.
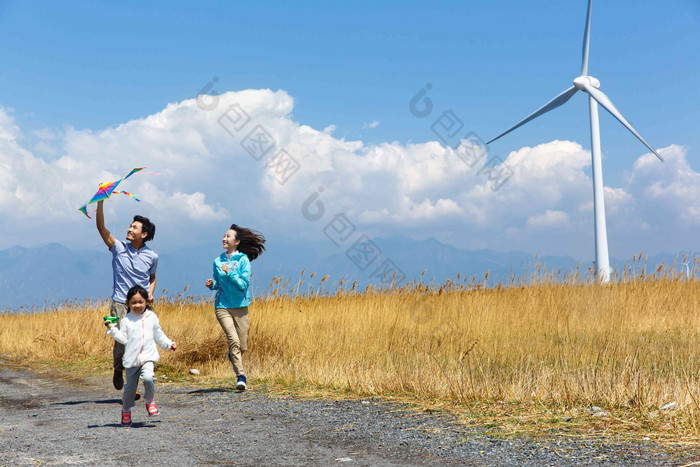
(127, 194)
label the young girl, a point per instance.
(139, 331)
(231, 281)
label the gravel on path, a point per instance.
(50, 420)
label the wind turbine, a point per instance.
(591, 86)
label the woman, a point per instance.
(231, 281)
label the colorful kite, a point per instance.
(106, 190)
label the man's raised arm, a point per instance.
(106, 235)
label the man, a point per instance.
(133, 263)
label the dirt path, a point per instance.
(47, 420)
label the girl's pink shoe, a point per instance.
(152, 409)
(126, 418)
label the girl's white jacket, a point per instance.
(140, 334)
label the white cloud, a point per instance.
(190, 206)
(208, 177)
(8, 130)
(671, 188)
(44, 148)
(195, 206)
(45, 133)
(372, 124)
(548, 220)
(616, 200)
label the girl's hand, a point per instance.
(209, 283)
(224, 267)
(108, 324)
(174, 346)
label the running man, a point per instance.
(133, 263)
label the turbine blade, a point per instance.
(551, 105)
(586, 40)
(603, 100)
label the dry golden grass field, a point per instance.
(531, 357)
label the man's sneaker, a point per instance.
(118, 379)
(240, 384)
(152, 409)
(126, 418)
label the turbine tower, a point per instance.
(591, 86)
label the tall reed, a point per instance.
(542, 346)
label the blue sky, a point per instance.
(351, 68)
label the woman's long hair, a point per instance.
(252, 241)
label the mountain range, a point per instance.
(40, 277)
